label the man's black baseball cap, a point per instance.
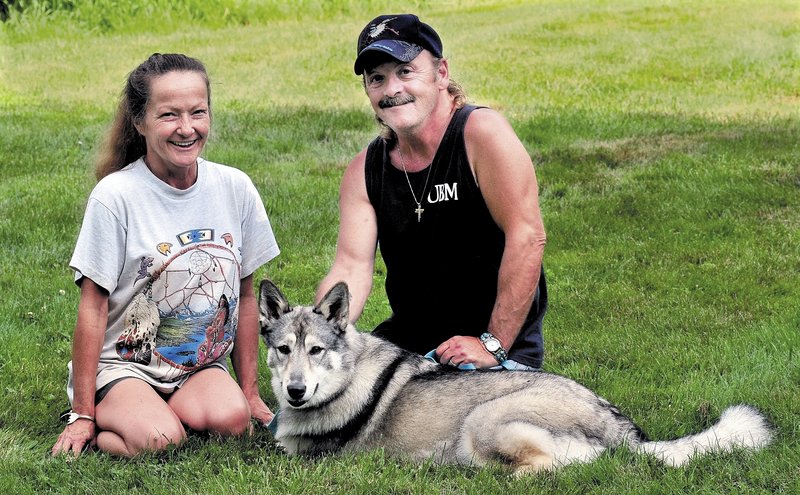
(401, 36)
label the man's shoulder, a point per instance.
(354, 173)
(485, 123)
(360, 158)
(482, 116)
(368, 154)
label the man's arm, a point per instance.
(358, 237)
(507, 180)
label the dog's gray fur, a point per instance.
(344, 390)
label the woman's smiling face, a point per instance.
(176, 125)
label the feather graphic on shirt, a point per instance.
(138, 339)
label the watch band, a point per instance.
(70, 417)
(500, 353)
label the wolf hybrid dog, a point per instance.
(343, 390)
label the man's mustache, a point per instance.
(393, 101)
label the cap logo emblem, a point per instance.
(376, 29)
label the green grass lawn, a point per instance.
(665, 137)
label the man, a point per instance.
(449, 193)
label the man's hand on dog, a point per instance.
(461, 350)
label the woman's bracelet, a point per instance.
(70, 417)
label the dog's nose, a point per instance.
(296, 392)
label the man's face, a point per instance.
(404, 94)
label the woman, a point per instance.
(164, 261)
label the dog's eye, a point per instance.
(315, 350)
(284, 349)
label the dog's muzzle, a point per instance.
(296, 393)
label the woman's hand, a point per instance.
(75, 438)
(259, 410)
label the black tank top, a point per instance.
(441, 272)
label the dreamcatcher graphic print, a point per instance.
(186, 315)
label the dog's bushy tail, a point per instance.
(739, 427)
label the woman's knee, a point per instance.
(212, 401)
(163, 435)
(133, 419)
(155, 437)
(231, 420)
(152, 437)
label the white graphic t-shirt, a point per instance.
(172, 261)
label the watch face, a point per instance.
(492, 345)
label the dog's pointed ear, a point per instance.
(272, 304)
(335, 306)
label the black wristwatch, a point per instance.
(494, 346)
